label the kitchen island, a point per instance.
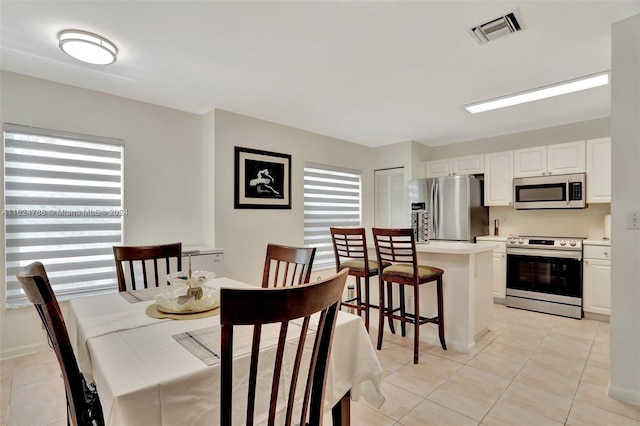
(467, 285)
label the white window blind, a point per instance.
(332, 197)
(63, 206)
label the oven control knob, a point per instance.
(572, 243)
(521, 241)
(512, 240)
(563, 243)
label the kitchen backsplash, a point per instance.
(587, 222)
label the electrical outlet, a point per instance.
(503, 219)
(634, 220)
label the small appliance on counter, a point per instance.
(421, 223)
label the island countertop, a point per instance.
(454, 247)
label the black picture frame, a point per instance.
(262, 179)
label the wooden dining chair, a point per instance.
(398, 247)
(350, 250)
(133, 261)
(302, 381)
(83, 403)
(287, 266)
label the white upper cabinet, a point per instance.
(557, 159)
(599, 170)
(530, 161)
(566, 158)
(437, 168)
(468, 165)
(498, 179)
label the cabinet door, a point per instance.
(530, 162)
(599, 170)
(499, 275)
(212, 262)
(390, 208)
(469, 165)
(498, 179)
(437, 168)
(597, 286)
(566, 158)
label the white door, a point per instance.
(390, 206)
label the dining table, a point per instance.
(155, 369)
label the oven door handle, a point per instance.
(577, 255)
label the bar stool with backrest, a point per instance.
(286, 266)
(398, 247)
(130, 259)
(350, 250)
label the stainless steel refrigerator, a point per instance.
(454, 206)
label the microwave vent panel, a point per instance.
(495, 28)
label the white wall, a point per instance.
(587, 222)
(244, 233)
(547, 136)
(163, 171)
(625, 264)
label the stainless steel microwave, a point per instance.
(550, 192)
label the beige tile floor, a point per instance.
(530, 369)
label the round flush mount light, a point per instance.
(87, 47)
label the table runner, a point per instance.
(143, 295)
(205, 342)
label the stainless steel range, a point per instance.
(544, 274)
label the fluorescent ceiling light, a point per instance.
(583, 83)
(87, 47)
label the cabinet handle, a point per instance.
(606, 253)
(586, 261)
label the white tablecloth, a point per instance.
(144, 376)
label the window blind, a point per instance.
(63, 206)
(332, 197)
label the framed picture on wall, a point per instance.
(262, 179)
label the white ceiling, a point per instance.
(373, 73)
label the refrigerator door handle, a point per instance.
(435, 215)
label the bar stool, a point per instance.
(398, 247)
(350, 250)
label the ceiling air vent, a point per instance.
(495, 28)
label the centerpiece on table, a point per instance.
(190, 294)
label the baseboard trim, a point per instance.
(23, 350)
(632, 396)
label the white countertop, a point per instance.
(196, 250)
(454, 247)
(498, 238)
(596, 242)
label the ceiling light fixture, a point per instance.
(87, 47)
(582, 83)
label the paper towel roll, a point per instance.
(607, 227)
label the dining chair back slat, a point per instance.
(83, 403)
(136, 259)
(290, 309)
(287, 266)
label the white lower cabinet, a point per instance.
(500, 271)
(499, 266)
(596, 278)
